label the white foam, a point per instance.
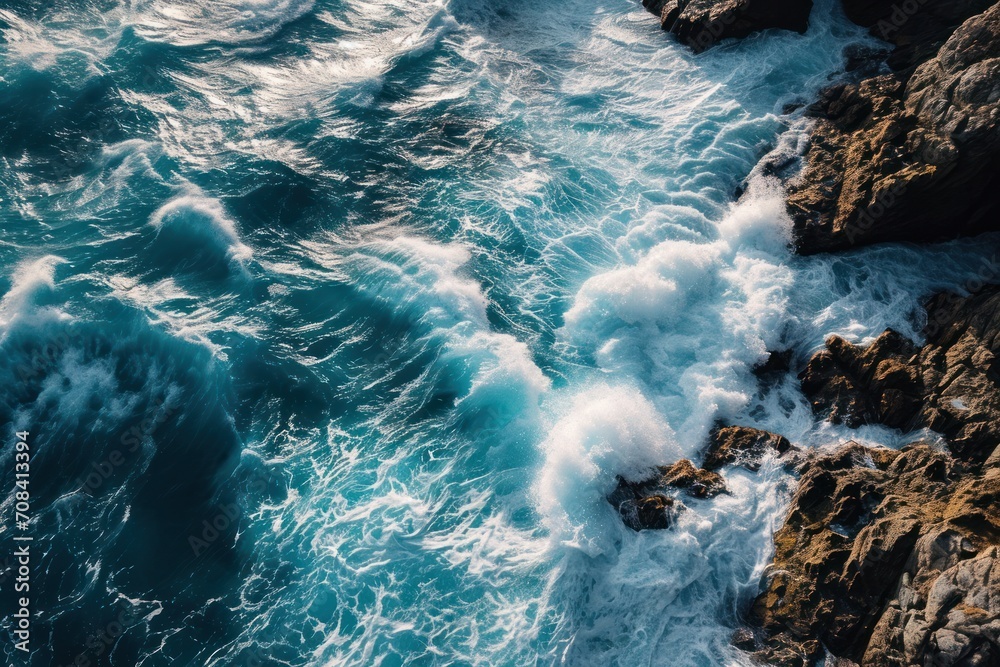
(204, 220)
(690, 318)
(185, 23)
(30, 281)
(607, 431)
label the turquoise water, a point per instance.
(388, 294)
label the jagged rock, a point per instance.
(902, 157)
(855, 386)
(638, 512)
(742, 445)
(917, 28)
(646, 504)
(777, 362)
(950, 385)
(886, 558)
(702, 23)
(698, 482)
(743, 639)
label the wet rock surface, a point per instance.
(950, 385)
(702, 23)
(742, 445)
(886, 558)
(889, 558)
(910, 155)
(649, 503)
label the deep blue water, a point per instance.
(332, 324)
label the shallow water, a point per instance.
(389, 293)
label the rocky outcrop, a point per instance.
(697, 482)
(648, 504)
(643, 509)
(651, 504)
(950, 385)
(889, 558)
(886, 558)
(702, 23)
(907, 157)
(916, 28)
(742, 445)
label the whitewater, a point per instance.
(399, 289)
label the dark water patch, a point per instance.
(57, 127)
(133, 455)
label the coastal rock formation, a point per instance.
(886, 558)
(889, 558)
(743, 446)
(917, 28)
(950, 385)
(647, 504)
(642, 509)
(907, 157)
(702, 23)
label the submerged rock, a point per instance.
(640, 512)
(646, 504)
(703, 23)
(907, 157)
(742, 445)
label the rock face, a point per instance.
(917, 28)
(702, 23)
(886, 558)
(649, 503)
(907, 157)
(641, 509)
(950, 385)
(889, 558)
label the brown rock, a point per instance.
(907, 158)
(698, 482)
(646, 504)
(886, 558)
(703, 23)
(855, 386)
(743, 639)
(950, 385)
(742, 445)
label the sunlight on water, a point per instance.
(394, 291)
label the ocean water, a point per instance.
(333, 323)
